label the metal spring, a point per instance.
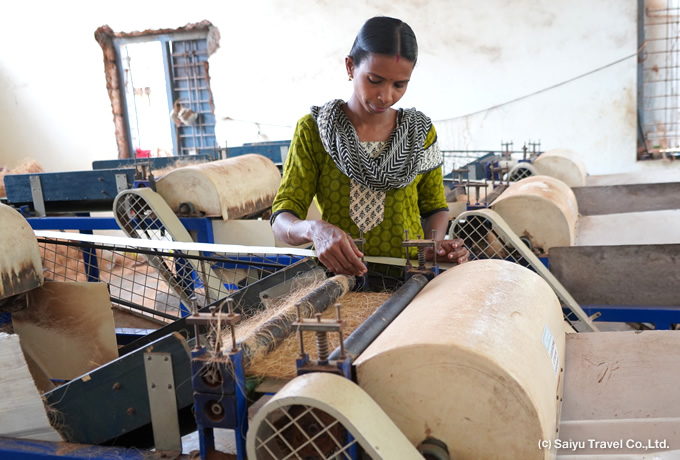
(322, 345)
(421, 257)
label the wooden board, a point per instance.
(245, 232)
(631, 228)
(621, 375)
(69, 191)
(22, 411)
(156, 163)
(613, 199)
(619, 275)
(67, 330)
(127, 318)
(649, 176)
(622, 385)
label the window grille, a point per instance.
(660, 82)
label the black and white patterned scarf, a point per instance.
(401, 158)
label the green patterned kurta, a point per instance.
(309, 171)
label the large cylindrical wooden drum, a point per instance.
(540, 209)
(474, 361)
(21, 267)
(230, 188)
(562, 164)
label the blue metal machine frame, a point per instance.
(223, 404)
(661, 317)
(25, 449)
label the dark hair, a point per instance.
(384, 35)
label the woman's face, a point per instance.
(379, 81)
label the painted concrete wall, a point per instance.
(279, 57)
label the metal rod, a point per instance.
(659, 97)
(658, 24)
(661, 108)
(135, 306)
(366, 333)
(230, 309)
(657, 137)
(205, 278)
(300, 334)
(655, 69)
(159, 253)
(658, 10)
(321, 341)
(667, 23)
(197, 337)
(656, 40)
(660, 52)
(342, 345)
(197, 330)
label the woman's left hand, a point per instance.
(452, 251)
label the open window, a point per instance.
(159, 85)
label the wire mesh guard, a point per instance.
(521, 171)
(302, 432)
(486, 242)
(139, 218)
(160, 284)
(485, 238)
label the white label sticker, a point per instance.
(549, 342)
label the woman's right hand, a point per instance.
(336, 249)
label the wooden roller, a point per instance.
(230, 188)
(542, 210)
(562, 164)
(474, 361)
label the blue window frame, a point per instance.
(180, 60)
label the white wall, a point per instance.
(279, 57)
(523, 48)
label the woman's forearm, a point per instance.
(290, 229)
(439, 222)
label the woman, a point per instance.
(372, 169)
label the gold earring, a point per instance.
(349, 78)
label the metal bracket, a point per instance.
(322, 327)
(160, 385)
(421, 245)
(284, 153)
(121, 182)
(595, 315)
(37, 195)
(477, 186)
